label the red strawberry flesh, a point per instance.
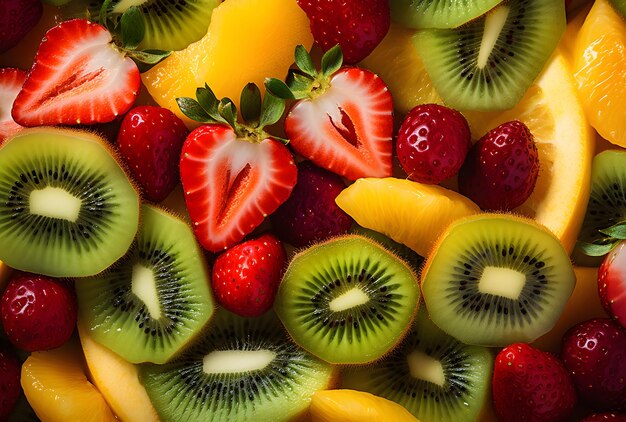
(612, 283)
(11, 81)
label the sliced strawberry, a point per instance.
(78, 77)
(11, 81)
(612, 283)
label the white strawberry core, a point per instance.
(350, 299)
(494, 22)
(144, 287)
(427, 368)
(54, 203)
(236, 361)
(503, 282)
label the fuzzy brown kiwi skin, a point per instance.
(401, 338)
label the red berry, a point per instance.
(357, 26)
(246, 277)
(605, 417)
(501, 169)
(10, 389)
(612, 283)
(17, 18)
(38, 312)
(150, 141)
(531, 385)
(594, 352)
(432, 143)
(310, 214)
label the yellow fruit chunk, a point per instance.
(600, 72)
(247, 41)
(411, 213)
(356, 406)
(553, 113)
(396, 61)
(55, 384)
(583, 304)
(118, 381)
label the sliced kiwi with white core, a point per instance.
(433, 375)
(496, 279)
(347, 300)
(420, 14)
(156, 300)
(240, 370)
(67, 208)
(489, 63)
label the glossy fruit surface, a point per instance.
(11, 81)
(612, 283)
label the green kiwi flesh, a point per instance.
(489, 63)
(155, 300)
(495, 279)
(433, 375)
(420, 14)
(347, 300)
(67, 208)
(240, 370)
(607, 200)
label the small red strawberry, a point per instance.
(79, 77)
(233, 174)
(17, 18)
(531, 385)
(10, 389)
(11, 81)
(612, 283)
(594, 352)
(343, 121)
(432, 143)
(38, 312)
(501, 169)
(358, 26)
(605, 417)
(150, 141)
(311, 214)
(246, 277)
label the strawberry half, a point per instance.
(233, 175)
(11, 81)
(612, 283)
(343, 121)
(79, 77)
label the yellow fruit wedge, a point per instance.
(553, 113)
(57, 388)
(117, 380)
(396, 61)
(247, 41)
(356, 406)
(600, 72)
(409, 212)
(583, 304)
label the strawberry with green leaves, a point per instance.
(343, 119)
(234, 174)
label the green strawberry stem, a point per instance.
(614, 235)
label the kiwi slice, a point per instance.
(421, 14)
(155, 300)
(409, 256)
(67, 208)
(496, 279)
(433, 375)
(606, 209)
(347, 300)
(240, 370)
(489, 63)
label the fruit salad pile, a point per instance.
(312, 210)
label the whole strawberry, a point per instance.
(38, 312)
(311, 214)
(594, 352)
(357, 26)
(432, 143)
(531, 385)
(150, 140)
(245, 278)
(501, 169)
(10, 389)
(17, 18)
(605, 417)
(612, 283)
